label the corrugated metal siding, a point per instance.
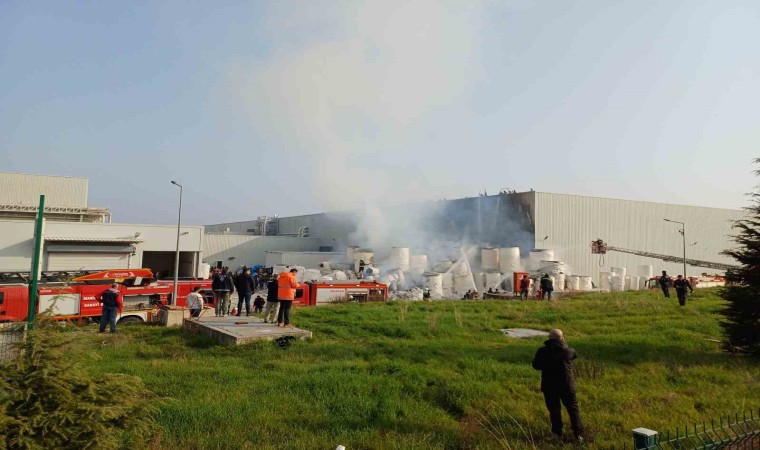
(85, 261)
(572, 222)
(249, 250)
(25, 189)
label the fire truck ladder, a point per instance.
(61, 276)
(600, 247)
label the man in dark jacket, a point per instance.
(222, 286)
(258, 304)
(273, 303)
(681, 284)
(665, 284)
(555, 361)
(245, 284)
(547, 286)
(112, 303)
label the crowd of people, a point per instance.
(276, 308)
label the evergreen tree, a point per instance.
(48, 402)
(742, 324)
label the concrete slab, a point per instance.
(234, 330)
(523, 333)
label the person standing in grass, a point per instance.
(665, 284)
(112, 304)
(681, 284)
(286, 293)
(273, 304)
(524, 287)
(547, 286)
(555, 361)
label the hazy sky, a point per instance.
(294, 107)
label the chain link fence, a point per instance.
(11, 333)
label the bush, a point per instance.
(48, 402)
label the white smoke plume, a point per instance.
(349, 99)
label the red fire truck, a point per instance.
(78, 299)
(312, 294)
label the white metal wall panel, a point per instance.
(571, 222)
(25, 189)
(250, 250)
(87, 261)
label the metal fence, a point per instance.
(737, 432)
(10, 334)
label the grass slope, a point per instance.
(436, 375)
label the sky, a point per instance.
(296, 107)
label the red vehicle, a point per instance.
(142, 295)
(312, 294)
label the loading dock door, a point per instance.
(86, 261)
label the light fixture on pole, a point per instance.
(176, 254)
(683, 235)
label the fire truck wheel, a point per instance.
(129, 320)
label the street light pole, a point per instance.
(176, 254)
(683, 235)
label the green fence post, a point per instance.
(33, 294)
(644, 439)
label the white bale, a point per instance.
(399, 258)
(619, 271)
(312, 274)
(461, 268)
(489, 258)
(604, 281)
(434, 283)
(586, 283)
(643, 283)
(617, 283)
(339, 275)
(536, 256)
(559, 281)
(574, 282)
(351, 252)
(509, 259)
(447, 280)
(418, 262)
(633, 283)
(645, 270)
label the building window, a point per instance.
(325, 248)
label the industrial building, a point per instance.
(529, 220)
(79, 237)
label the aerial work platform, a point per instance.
(235, 330)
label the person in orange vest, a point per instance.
(286, 293)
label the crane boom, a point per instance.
(601, 248)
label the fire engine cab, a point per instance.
(142, 295)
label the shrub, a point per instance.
(48, 402)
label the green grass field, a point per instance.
(435, 375)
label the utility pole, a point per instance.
(33, 293)
(683, 235)
(176, 254)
